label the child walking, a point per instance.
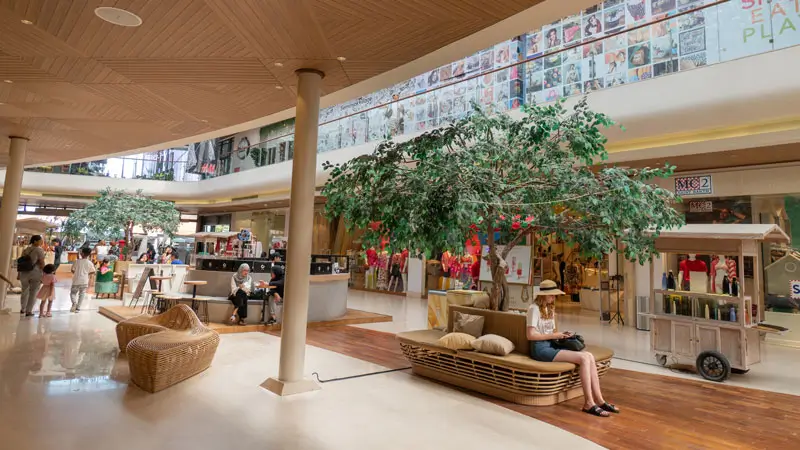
(81, 270)
(48, 291)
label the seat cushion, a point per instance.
(600, 353)
(425, 338)
(519, 361)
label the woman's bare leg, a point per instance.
(585, 371)
(596, 393)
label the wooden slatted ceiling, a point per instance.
(85, 88)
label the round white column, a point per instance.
(298, 253)
(8, 209)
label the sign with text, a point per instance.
(699, 185)
(794, 289)
(701, 206)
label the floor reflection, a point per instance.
(63, 354)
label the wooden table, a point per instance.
(159, 306)
(199, 306)
(194, 285)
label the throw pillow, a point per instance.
(481, 301)
(468, 323)
(456, 341)
(493, 345)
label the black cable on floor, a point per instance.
(315, 374)
(670, 367)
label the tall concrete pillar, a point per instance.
(298, 253)
(8, 210)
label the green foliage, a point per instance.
(486, 173)
(258, 156)
(114, 214)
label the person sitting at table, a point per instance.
(275, 294)
(241, 287)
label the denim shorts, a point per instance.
(543, 351)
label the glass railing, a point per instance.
(613, 43)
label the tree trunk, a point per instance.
(498, 294)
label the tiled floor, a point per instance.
(64, 386)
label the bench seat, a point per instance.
(514, 377)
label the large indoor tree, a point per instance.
(115, 213)
(538, 175)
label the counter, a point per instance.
(327, 295)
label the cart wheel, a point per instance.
(661, 359)
(739, 371)
(713, 366)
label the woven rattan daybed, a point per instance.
(166, 349)
(515, 377)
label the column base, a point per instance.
(284, 388)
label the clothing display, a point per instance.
(688, 266)
(383, 270)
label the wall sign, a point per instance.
(700, 185)
(794, 289)
(701, 206)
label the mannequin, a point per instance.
(720, 270)
(686, 267)
(394, 280)
(372, 263)
(383, 270)
(404, 268)
(445, 260)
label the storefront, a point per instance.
(766, 196)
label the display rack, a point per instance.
(717, 333)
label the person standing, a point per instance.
(57, 251)
(30, 267)
(81, 270)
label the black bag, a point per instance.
(574, 343)
(24, 263)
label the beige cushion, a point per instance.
(424, 338)
(481, 302)
(493, 344)
(468, 323)
(456, 341)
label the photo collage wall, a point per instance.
(591, 61)
(588, 64)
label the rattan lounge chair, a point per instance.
(166, 349)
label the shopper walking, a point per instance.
(82, 269)
(48, 291)
(29, 267)
(58, 249)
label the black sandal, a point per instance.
(596, 411)
(610, 407)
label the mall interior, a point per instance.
(151, 149)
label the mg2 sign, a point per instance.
(700, 185)
(794, 289)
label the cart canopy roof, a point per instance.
(737, 231)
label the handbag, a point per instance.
(574, 343)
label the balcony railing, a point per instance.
(613, 43)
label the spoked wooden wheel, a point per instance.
(713, 366)
(661, 359)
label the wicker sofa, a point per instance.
(166, 349)
(514, 377)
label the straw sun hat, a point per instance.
(548, 287)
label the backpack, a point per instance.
(24, 263)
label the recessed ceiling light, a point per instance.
(203, 120)
(26, 22)
(8, 81)
(278, 64)
(118, 16)
(341, 58)
(1, 103)
(278, 87)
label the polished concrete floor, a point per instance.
(63, 385)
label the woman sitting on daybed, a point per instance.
(541, 333)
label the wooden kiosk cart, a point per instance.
(691, 324)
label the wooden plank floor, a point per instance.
(658, 411)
